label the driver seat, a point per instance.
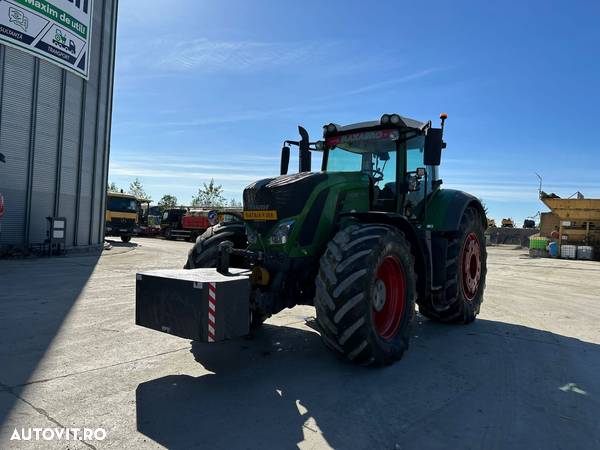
(385, 199)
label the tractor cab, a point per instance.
(399, 155)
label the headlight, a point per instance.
(251, 235)
(395, 119)
(331, 128)
(281, 232)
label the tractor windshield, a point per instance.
(371, 152)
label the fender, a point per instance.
(417, 242)
(446, 208)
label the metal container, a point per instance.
(585, 252)
(199, 304)
(568, 251)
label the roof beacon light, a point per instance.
(385, 119)
(395, 119)
(443, 117)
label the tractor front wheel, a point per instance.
(205, 251)
(365, 294)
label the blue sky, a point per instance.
(211, 89)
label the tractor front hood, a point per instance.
(273, 199)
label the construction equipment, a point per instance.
(363, 240)
(121, 215)
(148, 219)
(189, 223)
(576, 220)
(508, 223)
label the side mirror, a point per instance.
(285, 160)
(433, 147)
(413, 183)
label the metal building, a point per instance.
(54, 134)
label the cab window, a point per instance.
(415, 153)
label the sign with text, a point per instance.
(56, 30)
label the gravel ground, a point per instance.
(526, 374)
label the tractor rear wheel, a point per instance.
(466, 269)
(365, 294)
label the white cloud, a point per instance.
(139, 171)
(205, 55)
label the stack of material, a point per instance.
(568, 251)
(538, 247)
(585, 252)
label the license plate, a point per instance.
(260, 215)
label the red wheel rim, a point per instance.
(471, 266)
(389, 297)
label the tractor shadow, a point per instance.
(489, 384)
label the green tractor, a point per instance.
(363, 240)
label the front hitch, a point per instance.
(225, 250)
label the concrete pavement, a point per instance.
(526, 374)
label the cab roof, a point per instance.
(405, 123)
(121, 194)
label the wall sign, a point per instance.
(55, 30)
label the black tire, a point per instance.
(205, 251)
(346, 289)
(257, 318)
(125, 238)
(458, 304)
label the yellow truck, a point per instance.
(121, 215)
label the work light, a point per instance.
(281, 232)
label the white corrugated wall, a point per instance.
(54, 133)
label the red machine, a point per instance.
(185, 224)
(195, 220)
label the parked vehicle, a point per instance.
(363, 240)
(121, 215)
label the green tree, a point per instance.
(167, 201)
(136, 188)
(112, 187)
(210, 194)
